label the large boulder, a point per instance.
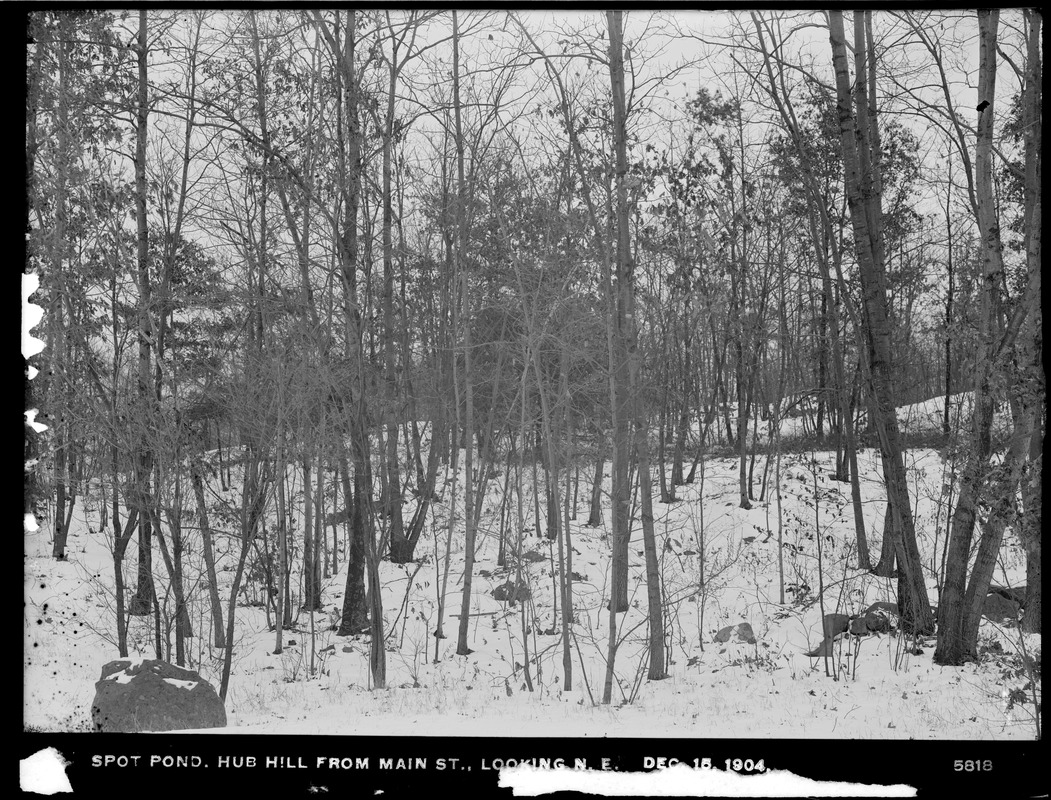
(149, 695)
(999, 608)
(1015, 594)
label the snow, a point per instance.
(770, 689)
(181, 684)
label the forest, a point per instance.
(546, 355)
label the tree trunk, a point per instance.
(551, 473)
(595, 515)
(219, 633)
(362, 530)
(60, 355)
(279, 586)
(682, 430)
(141, 602)
(1003, 493)
(864, 559)
(404, 553)
(628, 335)
(666, 496)
(253, 505)
(623, 324)
(1033, 392)
(952, 647)
(459, 234)
(311, 576)
(950, 290)
(519, 580)
(1032, 507)
(392, 498)
(355, 616)
(860, 160)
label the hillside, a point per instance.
(320, 684)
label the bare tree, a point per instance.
(860, 147)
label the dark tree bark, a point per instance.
(311, 565)
(949, 297)
(952, 646)
(141, 602)
(623, 324)
(595, 514)
(59, 320)
(254, 492)
(1002, 512)
(1033, 393)
(1032, 501)
(461, 269)
(628, 338)
(342, 40)
(209, 558)
(355, 616)
(392, 498)
(860, 148)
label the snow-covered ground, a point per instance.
(918, 421)
(320, 683)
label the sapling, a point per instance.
(405, 603)
(698, 532)
(518, 538)
(583, 670)
(440, 585)
(820, 564)
(1028, 662)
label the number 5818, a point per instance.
(973, 766)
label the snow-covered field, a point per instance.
(320, 683)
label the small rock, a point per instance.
(742, 632)
(507, 591)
